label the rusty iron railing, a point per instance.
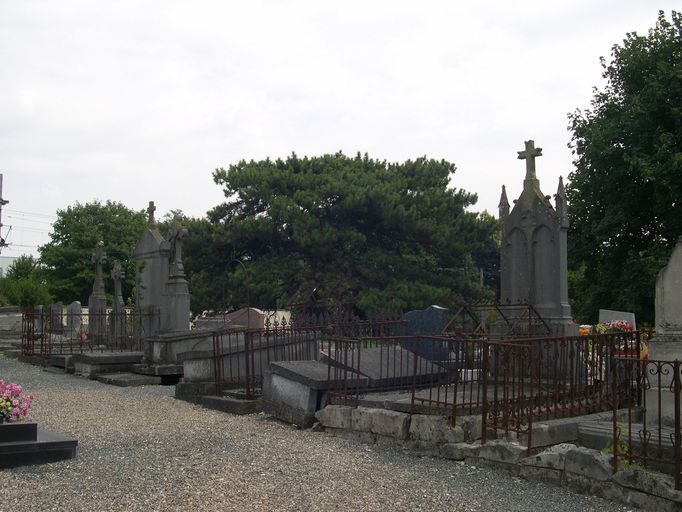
(651, 434)
(241, 356)
(45, 332)
(511, 383)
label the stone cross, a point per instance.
(175, 236)
(529, 155)
(150, 212)
(98, 259)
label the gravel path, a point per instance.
(140, 449)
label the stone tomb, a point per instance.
(24, 443)
(533, 251)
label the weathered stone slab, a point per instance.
(92, 364)
(231, 405)
(128, 379)
(553, 457)
(434, 429)
(335, 416)
(381, 421)
(502, 451)
(588, 463)
(654, 484)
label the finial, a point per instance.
(529, 154)
(504, 203)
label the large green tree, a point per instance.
(626, 190)
(335, 229)
(24, 284)
(78, 228)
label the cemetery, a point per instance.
(514, 384)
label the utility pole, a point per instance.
(3, 202)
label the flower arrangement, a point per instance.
(613, 326)
(14, 404)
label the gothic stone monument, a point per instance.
(151, 255)
(162, 290)
(667, 344)
(533, 252)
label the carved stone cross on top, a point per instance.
(150, 212)
(529, 155)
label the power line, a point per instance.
(33, 214)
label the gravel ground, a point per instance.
(140, 449)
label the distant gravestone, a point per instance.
(608, 315)
(73, 319)
(427, 322)
(533, 251)
(118, 313)
(151, 255)
(57, 318)
(669, 298)
(175, 299)
(97, 302)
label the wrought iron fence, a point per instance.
(511, 383)
(651, 434)
(241, 356)
(48, 331)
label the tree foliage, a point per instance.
(626, 190)
(24, 285)
(78, 228)
(335, 229)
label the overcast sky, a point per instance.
(141, 100)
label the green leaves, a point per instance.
(340, 229)
(67, 257)
(624, 195)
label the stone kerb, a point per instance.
(565, 464)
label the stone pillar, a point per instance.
(175, 300)
(97, 303)
(117, 318)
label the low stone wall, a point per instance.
(583, 469)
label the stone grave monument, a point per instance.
(151, 254)
(175, 298)
(118, 313)
(533, 252)
(73, 320)
(97, 303)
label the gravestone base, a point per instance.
(63, 361)
(23, 444)
(92, 364)
(126, 379)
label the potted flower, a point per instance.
(14, 404)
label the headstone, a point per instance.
(57, 318)
(608, 315)
(151, 254)
(175, 299)
(73, 319)
(97, 303)
(669, 298)
(429, 321)
(533, 252)
(118, 313)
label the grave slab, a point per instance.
(42, 446)
(125, 379)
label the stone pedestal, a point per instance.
(175, 306)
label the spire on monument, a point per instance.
(504, 203)
(560, 199)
